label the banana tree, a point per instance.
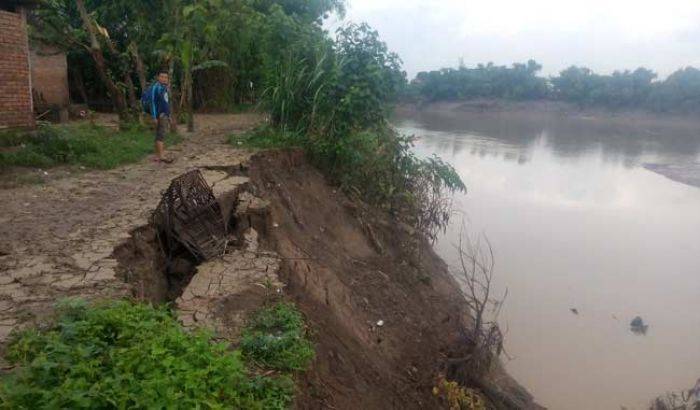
(191, 41)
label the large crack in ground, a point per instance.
(58, 239)
(220, 292)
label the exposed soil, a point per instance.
(387, 317)
(57, 239)
(349, 267)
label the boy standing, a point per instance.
(160, 111)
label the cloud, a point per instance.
(602, 34)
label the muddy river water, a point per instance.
(576, 221)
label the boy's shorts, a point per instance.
(162, 127)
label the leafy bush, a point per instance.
(12, 138)
(80, 144)
(332, 99)
(276, 338)
(267, 138)
(334, 88)
(122, 355)
(457, 397)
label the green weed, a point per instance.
(266, 138)
(276, 338)
(84, 144)
(124, 355)
(12, 138)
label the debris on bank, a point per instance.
(189, 214)
(638, 326)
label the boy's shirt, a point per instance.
(161, 100)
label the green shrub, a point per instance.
(333, 99)
(81, 144)
(276, 338)
(266, 138)
(124, 355)
(12, 138)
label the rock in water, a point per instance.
(638, 326)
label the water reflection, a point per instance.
(576, 221)
(511, 136)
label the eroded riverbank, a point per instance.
(386, 324)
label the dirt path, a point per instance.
(57, 239)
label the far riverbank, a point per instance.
(630, 131)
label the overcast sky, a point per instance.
(601, 34)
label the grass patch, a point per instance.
(276, 338)
(83, 144)
(12, 138)
(266, 137)
(124, 355)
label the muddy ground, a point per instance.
(57, 238)
(385, 315)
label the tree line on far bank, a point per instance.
(639, 89)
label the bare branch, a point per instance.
(475, 274)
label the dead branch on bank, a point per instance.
(475, 273)
(685, 400)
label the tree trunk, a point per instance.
(98, 57)
(190, 105)
(173, 110)
(80, 85)
(140, 72)
(131, 92)
(140, 69)
(190, 102)
(133, 101)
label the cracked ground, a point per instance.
(57, 239)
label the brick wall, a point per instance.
(49, 77)
(15, 82)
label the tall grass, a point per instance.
(333, 102)
(295, 98)
(83, 144)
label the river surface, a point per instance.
(576, 221)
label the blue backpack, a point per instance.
(148, 99)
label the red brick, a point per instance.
(15, 97)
